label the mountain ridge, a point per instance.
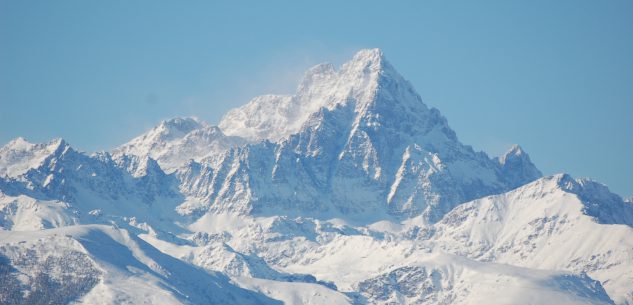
(349, 191)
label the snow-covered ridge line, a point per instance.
(550, 224)
(276, 117)
(175, 142)
(19, 155)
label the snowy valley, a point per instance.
(350, 191)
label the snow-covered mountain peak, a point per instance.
(19, 155)
(570, 184)
(517, 166)
(515, 151)
(561, 182)
(18, 143)
(176, 141)
(350, 191)
(369, 55)
(58, 145)
(176, 127)
(275, 117)
(600, 202)
(364, 127)
(165, 131)
(365, 66)
(318, 73)
(565, 182)
(184, 123)
(367, 61)
(597, 200)
(22, 144)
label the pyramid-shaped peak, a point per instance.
(363, 70)
(357, 81)
(514, 151)
(517, 165)
(57, 143)
(365, 63)
(374, 55)
(368, 60)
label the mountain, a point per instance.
(454, 280)
(354, 142)
(517, 167)
(350, 191)
(19, 156)
(77, 188)
(174, 142)
(415, 263)
(275, 117)
(102, 265)
(555, 223)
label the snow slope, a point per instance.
(174, 142)
(446, 279)
(68, 187)
(115, 268)
(409, 263)
(275, 117)
(19, 156)
(555, 223)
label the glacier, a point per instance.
(349, 191)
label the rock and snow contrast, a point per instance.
(350, 191)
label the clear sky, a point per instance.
(553, 76)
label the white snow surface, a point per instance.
(19, 156)
(275, 117)
(175, 142)
(123, 268)
(351, 191)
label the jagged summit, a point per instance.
(367, 60)
(19, 155)
(600, 203)
(176, 141)
(367, 84)
(360, 127)
(368, 55)
(175, 128)
(371, 61)
(515, 151)
(17, 143)
(275, 117)
(517, 166)
(21, 143)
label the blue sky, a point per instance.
(553, 76)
